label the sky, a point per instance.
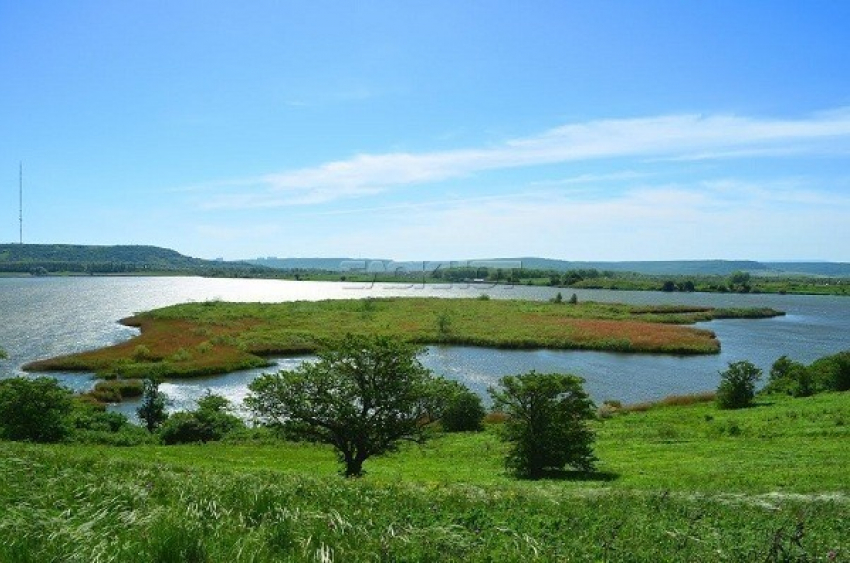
(430, 130)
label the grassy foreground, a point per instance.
(216, 337)
(685, 483)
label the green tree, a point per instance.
(547, 422)
(35, 410)
(3, 354)
(738, 385)
(832, 372)
(739, 281)
(152, 410)
(793, 378)
(362, 397)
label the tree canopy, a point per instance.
(547, 422)
(34, 410)
(363, 397)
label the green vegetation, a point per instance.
(363, 397)
(546, 424)
(830, 373)
(215, 337)
(116, 390)
(152, 410)
(706, 276)
(210, 422)
(34, 410)
(738, 385)
(3, 354)
(681, 483)
(463, 411)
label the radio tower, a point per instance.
(21, 201)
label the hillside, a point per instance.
(50, 258)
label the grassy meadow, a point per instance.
(674, 483)
(216, 337)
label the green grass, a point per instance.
(674, 485)
(216, 337)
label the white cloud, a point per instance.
(662, 137)
(720, 219)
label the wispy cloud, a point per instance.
(728, 218)
(661, 137)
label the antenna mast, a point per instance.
(21, 200)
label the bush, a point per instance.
(791, 378)
(738, 385)
(93, 424)
(463, 412)
(34, 410)
(547, 422)
(210, 422)
(832, 373)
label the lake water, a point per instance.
(42, 317)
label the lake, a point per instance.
(42, 317)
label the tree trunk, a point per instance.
(354, 464)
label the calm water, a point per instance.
(41, 317)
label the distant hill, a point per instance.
(654, 268)
(46, 258)
(311, 264)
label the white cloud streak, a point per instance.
(662, 137)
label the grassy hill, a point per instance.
(675, 483)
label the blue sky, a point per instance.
(430, 130)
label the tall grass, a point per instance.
(54, 507)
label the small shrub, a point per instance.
(210, 422)
(152, 410)
(116, 390)
(444, 324)
(463, 413)
(737, 385)
(141, 353)
(181, 355)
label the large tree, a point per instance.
(363, 396)
(547, 422)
